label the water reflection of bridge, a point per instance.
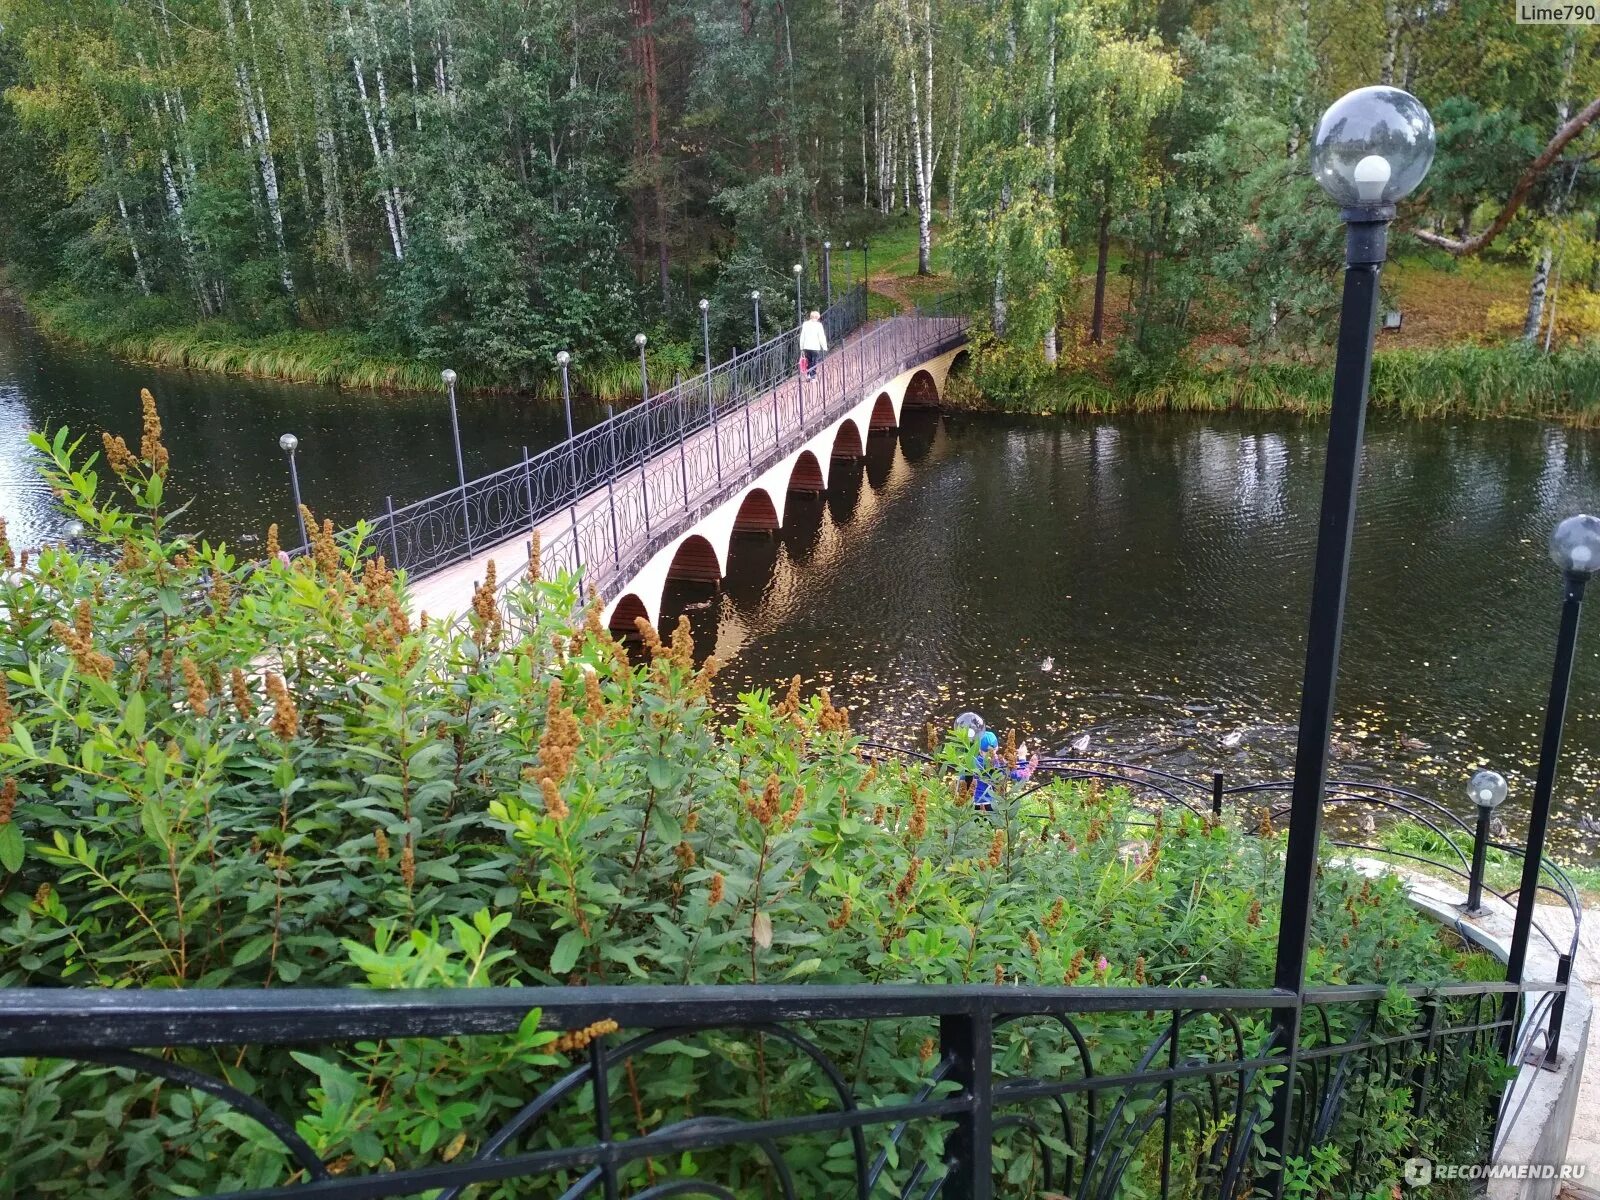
(657, 495)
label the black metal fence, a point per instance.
(989, 1090)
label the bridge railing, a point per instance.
(651, 497)
(456, 524)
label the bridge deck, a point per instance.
(618, 521)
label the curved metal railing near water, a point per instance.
(454, 525)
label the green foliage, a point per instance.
(220, 773)
(1478, 381)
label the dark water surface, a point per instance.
(222, 432)
(1164, 564)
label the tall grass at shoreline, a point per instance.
(145, 333)
(1475, 381)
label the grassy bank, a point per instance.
(1476, 381)
(145, 332)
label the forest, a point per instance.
(1119, 185)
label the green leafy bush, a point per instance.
(218, 773)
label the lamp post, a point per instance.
(799, 320)
(711, 408)
(755, 299)
(827, 273)
(449, 378)
(1371, 148)
(1575, 548)
(288, 443)
(564, 361)
(639, 340)
(866, 274)
(1487, 791)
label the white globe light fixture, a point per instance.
(1575, 545)
(1372, 147)
(1487, 789)
(288, 443)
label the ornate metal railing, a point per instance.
(714, 435)
(973, 1091)
(456, 524)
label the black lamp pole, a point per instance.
(1486, 791)
(711, 408)
(1347, 162)
(827, 273)
(564, 360)
(289, 444)
(799, 302)
(449, 378)
(1576, 549)
(755, 299)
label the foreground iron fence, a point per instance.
(452, 526)
(809, 1091)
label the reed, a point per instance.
(152, 331)
(1475, 381)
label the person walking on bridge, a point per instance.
(813, 343)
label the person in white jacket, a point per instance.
(813, 342)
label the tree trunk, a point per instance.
(1050, 167)
(1594, 262)
(385, 126)
(328, 155)
(1097, 329)
(998, 313)
(919, 146)
(1555, 291)
(391, 216)
(411, 52)
(1391, 45)
(1541, 271)
(258, 138)
(866, 189)
(649, 112)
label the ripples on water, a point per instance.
(1164, 565)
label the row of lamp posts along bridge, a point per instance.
(1370, 150)
(289, 443)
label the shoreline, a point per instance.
(1493, 382)
(1464, 380)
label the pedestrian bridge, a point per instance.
(656, 494)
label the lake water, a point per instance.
(222, 432)
(1162, 564)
